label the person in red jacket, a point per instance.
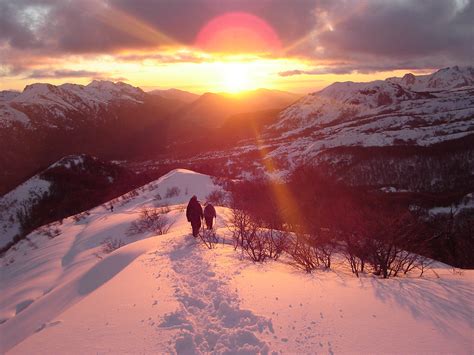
(194, 214)
(209, 215)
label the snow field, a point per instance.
(170, 294)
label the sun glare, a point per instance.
(236, 77)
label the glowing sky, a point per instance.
(232, 45)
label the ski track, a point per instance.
(209, 319)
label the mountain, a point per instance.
(46, 105)
(211, 110)
(167, 293)
(444, 79)
(361, 127)
(111, 121)
(70, 185)
(45, 122)
(175, 94)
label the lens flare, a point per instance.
(238, 32)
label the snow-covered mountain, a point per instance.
(377, 114)
(45, 122)
(64, 102)
(71, 292)
(444, 79)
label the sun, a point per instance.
(235, 78)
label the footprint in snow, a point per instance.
(47, 325)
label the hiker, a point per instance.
(209, 214)
(194, 214)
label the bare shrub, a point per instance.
(277, 242)
(355, 252)
(303, 254)
(395, 240)
(80, 216)
(151, 220)
(310, 251)
(49, 231)
(258, 242)
(216, 197)
(172, 191)
(111, 244)
(240, 225)
(209, 238)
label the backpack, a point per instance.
(209, 211)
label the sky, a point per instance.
(230, 45)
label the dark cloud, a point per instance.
(364, 68)
(41, 74)
(179, 57)
(440, 32)
(182, 19)
(390, 33)
(106, 26)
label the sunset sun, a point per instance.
(236, 78)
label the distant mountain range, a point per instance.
(347, 127)
(410, 135)
(212, 110)
(111, 120)
(175, 94)
(414, 133)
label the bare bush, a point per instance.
(240, 225)
(216, 197)
(394, 241)
(258, 242)
(172, 191)
(355, 252)
(209, 238)
(303, 254)
(80, 216)
(151, 220)
(111, 244)
(49, 231)
(310, 251)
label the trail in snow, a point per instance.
(209, 317)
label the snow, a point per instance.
(22, 196)
(169, 294)
(60, 101)
(6, 95)
(443, 79)
(376, 114)
(467, 202)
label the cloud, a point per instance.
(44, 73)
(339, 68)
(440, 32)
(166, 58)
(413, 33)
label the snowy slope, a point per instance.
(168, 294)
(443, 79)
(22, 197)
(18, 203)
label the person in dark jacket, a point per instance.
(194, 214)
(209, 215)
